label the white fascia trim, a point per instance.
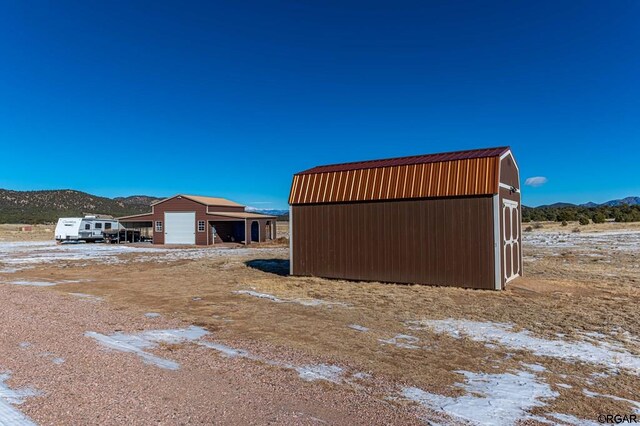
(497, 244)
(505, 155)
(509, 187)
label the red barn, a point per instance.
(191, 219)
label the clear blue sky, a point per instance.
(231, 98)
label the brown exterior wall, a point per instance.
(446, 241)
(509, 173)
(180, 205)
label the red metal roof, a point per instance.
(405, 161)
(461, 173)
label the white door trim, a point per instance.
(513, 241)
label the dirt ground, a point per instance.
(580, 288)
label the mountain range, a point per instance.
(48, 206)
(631, 201)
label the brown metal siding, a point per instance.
(180, 205)
(437, 241)
(509, 172)
(467, 177)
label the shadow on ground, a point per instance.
(271, 266)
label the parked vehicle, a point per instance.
(88, 228)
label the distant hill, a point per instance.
(137, 200)
(630, 201)
(623, 210)
(48, 206)
(556, 206)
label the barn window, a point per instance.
(158, 226)
(201, 226)
(98, 225)
(87, 226)
(107, 225)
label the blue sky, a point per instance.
(231, 98)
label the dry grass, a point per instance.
(565, 291)
(11, 232)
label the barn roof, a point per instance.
(207, 201)
(460, 173)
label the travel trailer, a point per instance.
(87, 229)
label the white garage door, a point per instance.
(180, 228)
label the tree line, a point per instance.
(584, 215)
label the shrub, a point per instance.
(528, 229)
(575, 230)
(537, 225)
(598, 218)
(564, 223)
(583, 220)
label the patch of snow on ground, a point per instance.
(9, 415)
(403, 341)
(136, 343)
(304, 302)
(86, 296)
(615, 398)
(358, 327)
(606, 354)
(32, 283)
(152, 315)
(491, 399)
(614, 240)
(23, 255)
(259, 295)
(571, 420)
(534, 367)
(330, 373)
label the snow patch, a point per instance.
(9, 415)
(304, 302)
(152, 315)
(330, 373)
(403, 341)
(590, 394)
(491, 399)
(358, 327)
(136, 343)
(571, 420)
(259, 295)
(607, 354)
(32, 283)
(87, 296)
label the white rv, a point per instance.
(88, 228)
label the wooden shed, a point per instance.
(193, 219)
(449, 219)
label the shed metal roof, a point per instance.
(207, 201)
(460, 173)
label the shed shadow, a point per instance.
(271, 266)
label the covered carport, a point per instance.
(227, 227)
(143, 223)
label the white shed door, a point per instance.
(180, 228)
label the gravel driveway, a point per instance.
(55, 374)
